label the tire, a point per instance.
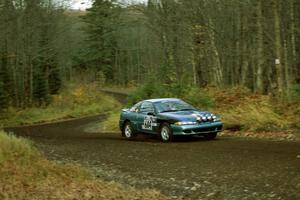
(128, 131)
(166, 133)
(210, 136)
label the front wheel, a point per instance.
(210, 136)
(128, 131)
(166, 134)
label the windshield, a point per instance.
(172, 106)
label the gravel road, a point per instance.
(226, 168)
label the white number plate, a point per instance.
(149, 122)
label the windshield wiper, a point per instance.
(186, 109)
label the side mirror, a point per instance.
(125, 110)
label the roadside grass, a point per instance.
(242, 110)
(120, 90)
(26, 174)
(74, 101)
(111, 124)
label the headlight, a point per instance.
(185, 123)
(216, 118)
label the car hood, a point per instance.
(184, 115)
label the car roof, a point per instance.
(162, 99)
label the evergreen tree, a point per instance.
(32, 50)
(55, 81)
(101, 21)
(4, 89)
(40, 87)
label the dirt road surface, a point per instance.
(225, 168)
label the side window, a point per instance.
(147, 107)
(135, 107)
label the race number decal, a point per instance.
(149, 122)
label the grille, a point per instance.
(209, 129)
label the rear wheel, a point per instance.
(165, 133)
(210, 136)
(128, 131)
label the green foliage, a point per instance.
(295, 93)
(18, 149)
(100, 44)
(184, 40)
(4, 97)
(55, 81)
(33, 38)
(149, 90)
(111, 124)
(258, 116)
(40, 87)
(196, 96)
(199, 98)
(73, 101)
(240, 109)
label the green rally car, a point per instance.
(167, 118)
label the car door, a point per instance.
(133, 116)
(146, 120)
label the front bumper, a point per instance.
(121, 123)
(197, 129)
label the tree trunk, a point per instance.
(293, 40)
(278, 47)
(217, 70)
(286, 68)
(194, 70)
(259, 52)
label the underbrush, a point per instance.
(239, 108)
(26, 174)
(196, 96)
(112, 122)
(242, 110)
(73, 101)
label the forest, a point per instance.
(191, 43)
(66, 74)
